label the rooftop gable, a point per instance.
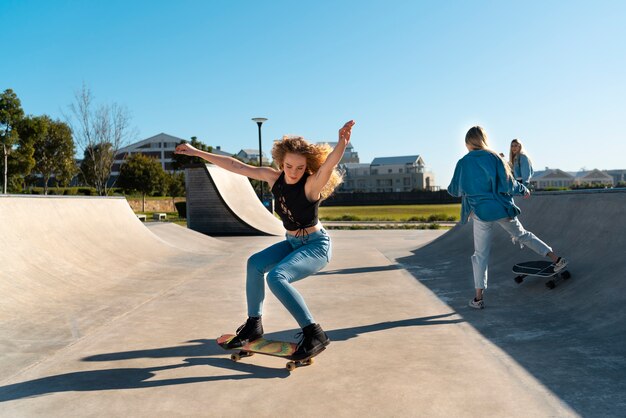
(402, 160)
(162, 137)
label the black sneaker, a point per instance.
(250, 331)
(313, 340)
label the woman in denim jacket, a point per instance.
(520, 163)
(486, 185)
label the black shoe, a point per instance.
(314, 340)
(250, 331)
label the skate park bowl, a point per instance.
(102, 315)
(571, 338)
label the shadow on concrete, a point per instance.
(200, 350)
(571, 338)
(359, 270)
(195, 348)
(133, 378)
(345, 334)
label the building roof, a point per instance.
(551, 173)
(354, 165)
(402, 160)
(590, 174)
(162, 137)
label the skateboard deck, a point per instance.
(273, 348)
(540, 269)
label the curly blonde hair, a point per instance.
(315, 155)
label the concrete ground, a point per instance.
(133, 333)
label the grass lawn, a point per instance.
(398, 213)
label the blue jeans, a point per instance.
(482, 244)
(287, 262)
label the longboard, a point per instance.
(540, 268)
(273, 348)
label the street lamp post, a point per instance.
(259, 122)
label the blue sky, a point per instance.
(415, 75)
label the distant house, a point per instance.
(350, 156)
(388, 174)
(161, 147)
(619, 176)
(551, 177)
(356, 177)
(251, 156)
(593, 177)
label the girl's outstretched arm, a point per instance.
(267, 174)
(319, 179)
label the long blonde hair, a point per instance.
(476, 138)
(315, 155)
(521, 151)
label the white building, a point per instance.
(161, 147)
(251, 156)
(556, 178)
(388, 174)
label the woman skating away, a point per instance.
(486, 185)
(520, 163)
(307, 174)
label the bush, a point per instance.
(87, 191)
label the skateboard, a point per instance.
(540, 269)
(267, 347)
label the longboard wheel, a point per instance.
(235, 357)
(291, 366)
(519, 279)
(550, 284)
(310, 361)
(566, 275)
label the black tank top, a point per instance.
(292, 205)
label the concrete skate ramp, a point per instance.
(69, 264)
(572, 338)
(223, 203)
(185, 239)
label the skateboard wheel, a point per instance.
(550, 284)
(519, 279)
(310, 361)
(235, 357)
(291, 366)
(566, 275)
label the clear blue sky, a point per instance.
(415, 75)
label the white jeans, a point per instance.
(482, 244)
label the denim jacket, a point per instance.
(480, 180)
(522, 168)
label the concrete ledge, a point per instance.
(159, 216)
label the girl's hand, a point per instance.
(527, 194)
(185, 149)
(346, 131)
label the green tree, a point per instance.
(176, 184)
(54, 152)
(142, 174)
(180, 161)
(10, 114)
